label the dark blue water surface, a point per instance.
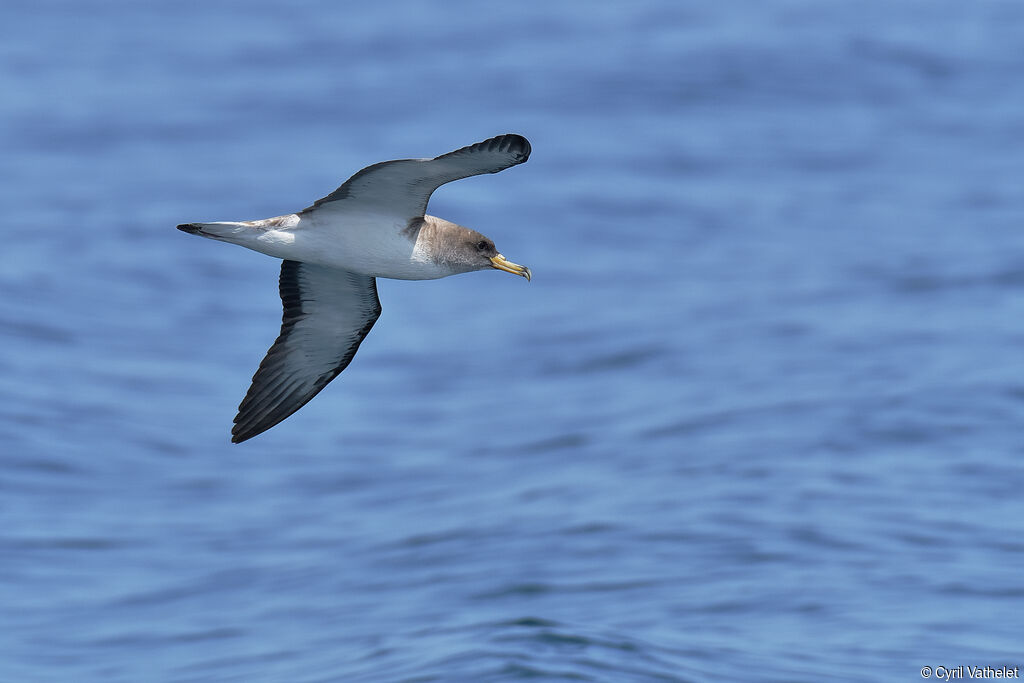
(758, 416)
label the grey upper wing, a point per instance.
(327, 313)
(403, 187)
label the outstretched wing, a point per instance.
(327, 313)
(403, 187)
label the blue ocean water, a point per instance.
(757, 417)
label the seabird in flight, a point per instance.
(374, 225)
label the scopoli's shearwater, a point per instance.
(374, 225)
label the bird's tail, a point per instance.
(225, 230)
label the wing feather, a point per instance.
(327, 314)
(404, 186)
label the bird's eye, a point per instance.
(482, 245)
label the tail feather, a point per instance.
(226, 231)
(240, 232)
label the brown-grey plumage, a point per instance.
(374, 225)
(457, 248)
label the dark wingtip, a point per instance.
(238, 436)
(190, 228)
(515, 143)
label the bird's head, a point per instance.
(485, 255)
(465, 250)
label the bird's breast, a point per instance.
(363, 243)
